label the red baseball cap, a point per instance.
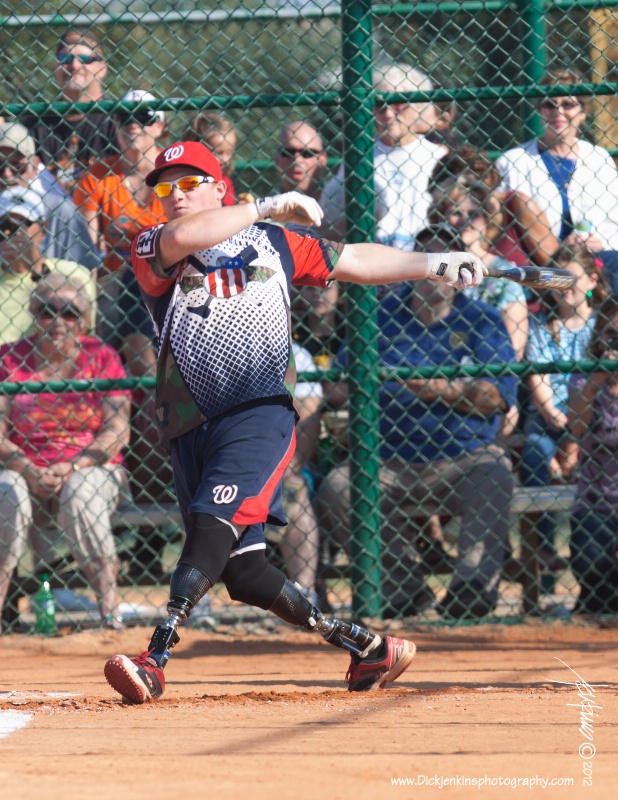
(186, 154)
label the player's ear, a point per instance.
(220, 189)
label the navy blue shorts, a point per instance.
(233, 465)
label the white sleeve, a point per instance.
(305, 363)
(607, 204)
(503, 167)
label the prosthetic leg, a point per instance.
(188, 586)
(293, 607)
(375, 661)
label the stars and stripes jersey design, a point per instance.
(222, 316)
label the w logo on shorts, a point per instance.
(224, 494)
(225, 282)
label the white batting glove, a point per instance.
(456, 269)
(290, 207)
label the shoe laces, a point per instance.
(143, 659)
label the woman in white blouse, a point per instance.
(573, 181)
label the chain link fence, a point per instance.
(456, 456)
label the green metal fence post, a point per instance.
(532, 24)
(362, 329)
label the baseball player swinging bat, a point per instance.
(536, 277)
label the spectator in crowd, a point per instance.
(300, 162)
(442, 130)
(300, 159)
(299, 541)
(116, 203)
(438, 446)
(560, 333)
(593, 424)
(23, 266)
(403, 162)
(60, 454)
(218, 133)
(67, 143)
(474, 217)
(525, 237)
(474, 210)
(573, 182)
(66, 233)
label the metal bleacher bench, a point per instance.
(527, 499)
(525, 570)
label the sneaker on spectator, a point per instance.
(138, 679)
(393, 658)
(422, 601)
(113, 622)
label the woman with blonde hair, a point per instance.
(61, 453)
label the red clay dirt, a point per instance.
(265, 717)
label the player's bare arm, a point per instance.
(198, 220)
(201, 230)
(379, 264)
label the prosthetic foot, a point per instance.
(141, 679)
(375, 661)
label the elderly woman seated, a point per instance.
(60, 454)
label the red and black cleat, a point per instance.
(138, 679)
(393, 658)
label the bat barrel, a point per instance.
(536, 277)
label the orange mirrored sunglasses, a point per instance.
(188, 184)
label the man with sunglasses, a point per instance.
(301, 162)
(216, 281)
(117, 203)
(22, 265)
(66, 233)
(300, 159)
(68, 143)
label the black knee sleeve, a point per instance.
(208, 545)
(292, 606)
(189, 583)
(249, 578)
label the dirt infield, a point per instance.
(268, 717)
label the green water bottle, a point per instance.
(45, 609)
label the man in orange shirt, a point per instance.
(116, 203)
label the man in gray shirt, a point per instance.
(67, 234)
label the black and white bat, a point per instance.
(536, 277)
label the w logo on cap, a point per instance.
(172, 153)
